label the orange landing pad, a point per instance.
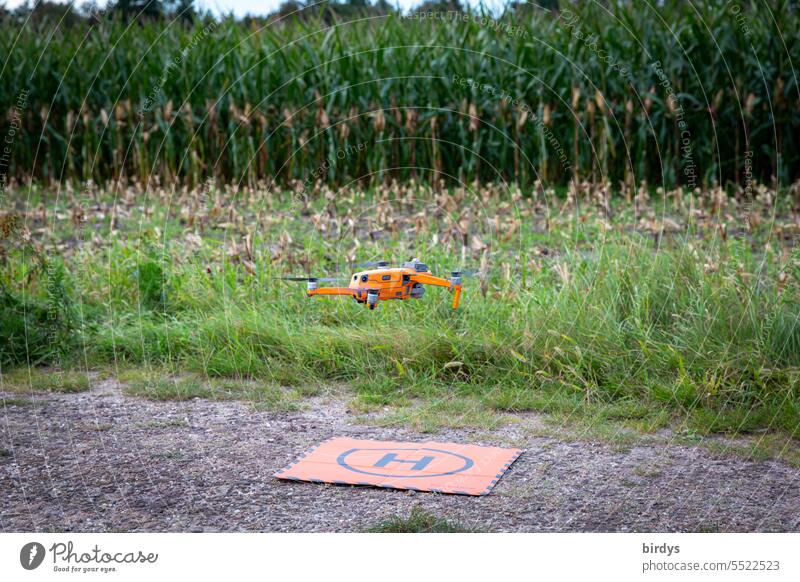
(430, 466)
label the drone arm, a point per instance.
(439, 282)
(430, 280)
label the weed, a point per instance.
(419, 521)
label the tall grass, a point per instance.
(39, 327)
(591, 314)
(624, 327)
(246, 103)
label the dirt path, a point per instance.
(102, 461)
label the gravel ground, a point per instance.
(103, 461)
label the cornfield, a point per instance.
(523, 98)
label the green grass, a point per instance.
(165, 386)
(26, 380)
(595, 322)
(433, 415)
(419, 521)
(759, 448)
(16, 401)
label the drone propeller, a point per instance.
(312, 279)
(378, 264)
(468, 273)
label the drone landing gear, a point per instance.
(372, 298)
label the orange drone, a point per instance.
(384, 283)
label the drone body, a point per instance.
(385, 283)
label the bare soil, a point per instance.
(104, 461)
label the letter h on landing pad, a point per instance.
(430, 466)
(419, 464)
